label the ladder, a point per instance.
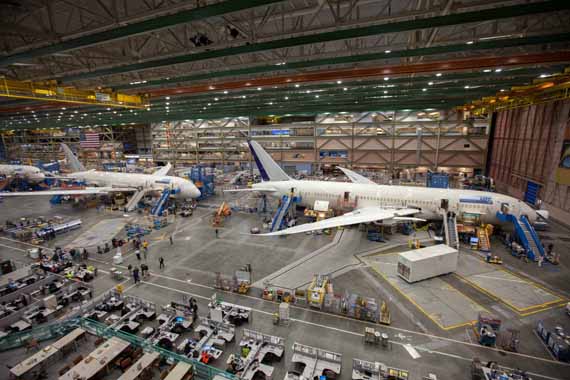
(159, 207)
(484, 243)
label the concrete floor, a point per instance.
(438, 300)
(196, 255)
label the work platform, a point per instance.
(447, 307)
(520, 294)
(99, 234)
(334, 258)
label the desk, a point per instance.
(33, 361)
(97, 360)
(136, 369)
(20, 326)
(179, 372)
(69, 338)
(129, 327)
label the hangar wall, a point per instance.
(526, 149)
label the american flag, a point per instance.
(89, 140)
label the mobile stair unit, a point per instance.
(525, 234)
(287, 204)
(162, 202)
(450, 226)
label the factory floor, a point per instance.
(419, 344)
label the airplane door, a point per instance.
(346, 196)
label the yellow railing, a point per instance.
(53, 92)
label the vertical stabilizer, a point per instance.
(268, 168)
(72, 161)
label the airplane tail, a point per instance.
(73, 162)
(268, 168)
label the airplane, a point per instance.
(27, 172)
(141, 184)
(373, 203)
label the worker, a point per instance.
(145, 253)
(145, 245)
(144, 270)
(130, 268)
(161, 262)
(488, 257)
(136, 275)
(216, 233)
(170, 238)
(138, 255)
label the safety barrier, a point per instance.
(201, 371)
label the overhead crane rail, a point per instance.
(53, 92)
(545, 89)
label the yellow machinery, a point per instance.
(483, 233)
(544, 89)
(385, 318)
(53, 92)
(317, 290)
(223, 211)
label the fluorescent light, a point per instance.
(503, 90)
(487, 70)
(541, 76)
(316, 96)
(498, 70)
(438, 74)
(386, 78)
(338, 82)
(216, 99)
(470, 42)
(167, 98)
(225, 92)
(387, 51)
(430, 83)
(259, 89)
(297, 85)
(345, 89)
(424, 89)
(466, 87)
(286, 98)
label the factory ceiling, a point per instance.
(211, 59)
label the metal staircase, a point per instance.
(525, 234)
(286, 203)
(161, 204)
(134, 201)
(450, 226)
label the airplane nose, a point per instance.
(195, 192)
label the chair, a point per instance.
(32, 345)
(125, 364)
(77, 360)
(99, 342)
(64, 370)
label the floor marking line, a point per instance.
(419, 333)
(412, 351)
(431, 336)
(14, 248)
(417, 348)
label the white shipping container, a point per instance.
(428, 262)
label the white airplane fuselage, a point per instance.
(186, 189)
(428, 200)
(27, 172)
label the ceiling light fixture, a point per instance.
(438, 74)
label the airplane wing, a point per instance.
(355, 177)
(88, 190)
(163, 170)
(362, 215)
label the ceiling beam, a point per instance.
(336, 35)
(332, 75)
(140, 27)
